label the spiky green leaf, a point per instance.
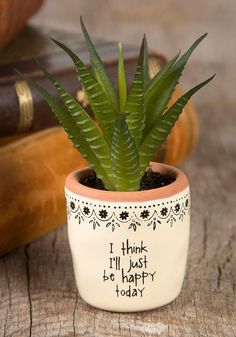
(74, 133)
(151, 87)
(121, 79)
(145, 63)
(124, 157)
(134, 107)
(101, 106)
(99, 69)
(159, 93)
(162, 127)
(86, 125)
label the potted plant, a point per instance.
(128, 219)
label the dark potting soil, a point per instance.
(152, 180)
(92, 181)
(149, 181)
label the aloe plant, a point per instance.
(130, 125)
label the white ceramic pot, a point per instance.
(129, 249)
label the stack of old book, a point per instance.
(36, 155)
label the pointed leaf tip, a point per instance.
(82, 24)
(56, 42)
(121, 78)
(211, 78)
(202, 37)
(100, 71)
(145, 39)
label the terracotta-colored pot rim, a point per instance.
(181, 182)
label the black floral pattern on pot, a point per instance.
(114, 216)
(94, 222)
(177, 208)
(124, 215)
(113, 224)
(171, 219)
(144, 214)
(72, 205)
(164, 211)
(134, 225)
(103, 214)
(86, 210)
(154, 222)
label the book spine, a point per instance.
(23, 109)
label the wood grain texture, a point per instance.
(13, 16)
(32, 200)
(37, 289)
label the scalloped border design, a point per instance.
(112, 215)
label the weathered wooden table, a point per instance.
(38, 295)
